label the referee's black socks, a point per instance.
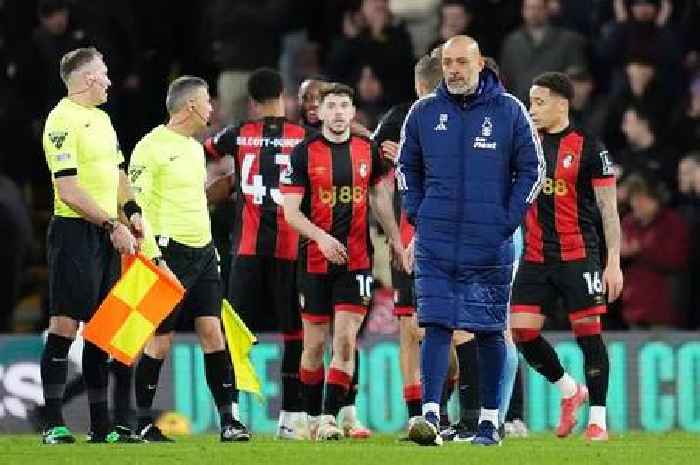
(121, 392)
(146, 382)
(217, 367)
(96, 378)
(54, 365)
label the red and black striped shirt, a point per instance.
(560, 225)
(335, 179)
(261, 150)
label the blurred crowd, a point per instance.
(635, 65)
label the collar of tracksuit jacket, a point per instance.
(489, 87)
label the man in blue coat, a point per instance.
(470, 163)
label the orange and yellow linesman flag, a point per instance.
(240, 341)
(133, 309)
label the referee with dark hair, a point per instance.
(168, 170)
(85, 238)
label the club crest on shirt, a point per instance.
(568, 159)
(363, 170)
(57, 138)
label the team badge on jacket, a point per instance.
(442, 123)
(483, 142)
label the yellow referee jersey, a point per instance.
(81, 141)
(168, 174)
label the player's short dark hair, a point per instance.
(335, 88)
(180, 89)
(265, 84)
(76, 59)
(46, 8)
(429, 70)
(556, 82)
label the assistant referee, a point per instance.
(85, 237)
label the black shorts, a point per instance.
(83, 267)
(404, 293)
(258, 285)
(578, 283)
(320, 295)
(197, 269)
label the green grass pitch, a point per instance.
(540, 449)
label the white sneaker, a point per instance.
(328, 429)
(351, 425)
(516, 429)
(292, 426)
(312, 427)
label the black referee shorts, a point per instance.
(83, 267)
(197, 269)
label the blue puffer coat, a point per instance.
(468, 169)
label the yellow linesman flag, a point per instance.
(133, 309)
(240, 341)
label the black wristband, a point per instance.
(130, 208)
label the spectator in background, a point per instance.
(17, 236)
(689, 208)
(538, 47)
(641, 87)
(371, 101)
(644, 153)
(493, 21)
(588, 109)
(244, 36)
(456, 18)
(41, 87)
(641, 27)
(372, 37)
(113, 25)
(654, 251)
(685, 128)
(582, 16)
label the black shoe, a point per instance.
(235, 432)
(119, 434)
(151, 433)
(126, 435)
(466, 430)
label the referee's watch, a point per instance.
(109, 225)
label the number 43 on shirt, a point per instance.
(253, 185)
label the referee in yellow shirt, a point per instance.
(168, 172)
(84, 238)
